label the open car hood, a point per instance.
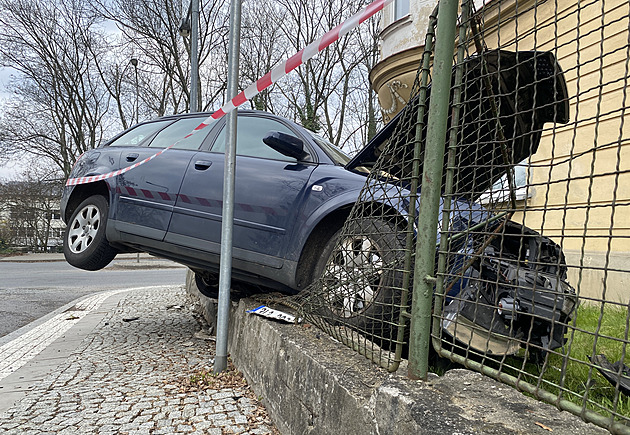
(529, 89)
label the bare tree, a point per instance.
(363, 117)
(119, 76)
(329, 94)
(59, 102)
(261, 47)
(76, 85)
(150, 30)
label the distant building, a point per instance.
(30, 219)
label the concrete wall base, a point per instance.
(312, 384)
(206, 307)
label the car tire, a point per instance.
(84, 243)
(369, 250)
(207, 285)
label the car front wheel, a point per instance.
(360, 276)
(85, 245)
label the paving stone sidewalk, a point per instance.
(132, 374)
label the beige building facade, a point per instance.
(578, 182)
(404, 26)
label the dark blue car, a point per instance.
(289, 204)
(294, 191)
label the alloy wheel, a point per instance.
(84, 228)
(352, 277)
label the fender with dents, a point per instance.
(304, 230)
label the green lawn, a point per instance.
(581, 379)
(575, 377)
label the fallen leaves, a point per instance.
(231, 378)
(543, 426)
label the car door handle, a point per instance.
(202, 165)
(131, 157)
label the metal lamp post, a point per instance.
(134, 62)
(189, 27)
(227, 221)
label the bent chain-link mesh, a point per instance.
(533, 262)
(361, 294)
(535, 293)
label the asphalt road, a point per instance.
(29, 291)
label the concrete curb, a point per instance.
(312, 384)
(54, 257)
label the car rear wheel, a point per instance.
(207, 284)
(360, 276)
(85, 245)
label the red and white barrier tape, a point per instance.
(262, 83)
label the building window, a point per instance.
(401, 9)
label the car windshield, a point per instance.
(339, 157)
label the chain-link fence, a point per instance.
(528, 273)
(540, 300)
(362, 297)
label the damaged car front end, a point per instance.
(515, 294)
(507, 287)
(505, 284)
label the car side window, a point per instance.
(176, 132)
(139, 133)
(249, 138)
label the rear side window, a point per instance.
(175, 133)
(139, 134)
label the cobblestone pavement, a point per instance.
(132, 374)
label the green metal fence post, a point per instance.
(450, 175)
(431, 190)
(415, 177)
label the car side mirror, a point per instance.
(286, 144)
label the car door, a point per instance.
(268, 190)
(146, 195)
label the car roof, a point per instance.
(208, 114)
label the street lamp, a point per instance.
(189, 27)
(134, 62)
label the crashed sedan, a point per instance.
(294, 191)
